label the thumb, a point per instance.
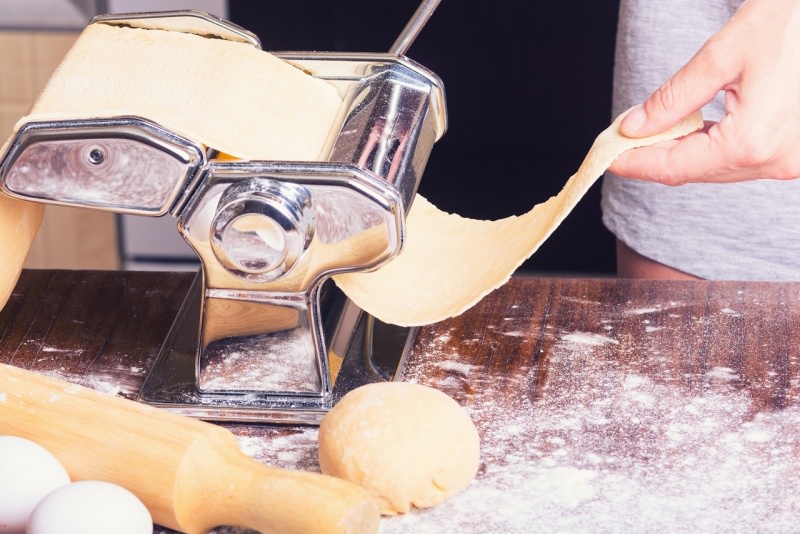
(687, 91)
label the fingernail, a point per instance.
(634, 121)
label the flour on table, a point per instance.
(297, 450)
(701, 460)
(596, 447)
(462, 368)
(586, 338)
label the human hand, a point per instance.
(755, 60)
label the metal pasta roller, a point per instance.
(263, 334)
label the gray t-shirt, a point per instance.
(740, 231)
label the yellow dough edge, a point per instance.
(19, 222)
(226, 95)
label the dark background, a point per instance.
(528, 87)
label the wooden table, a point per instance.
(603, 405)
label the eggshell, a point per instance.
(90, 507)
(28, 472)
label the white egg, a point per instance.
(28, 472)
(90, 507)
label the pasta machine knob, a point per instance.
(261, 228)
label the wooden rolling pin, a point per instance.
(191, 475)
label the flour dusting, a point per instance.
(613, 425)
(297, 450)
(587, 338)
(457, 367)
(598, 448)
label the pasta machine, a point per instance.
(264, 334)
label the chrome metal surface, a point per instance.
(125, 165)
(413, 27)
(389, 128)
(259, 339)
(357, 223)
(351, 71)
(393, 111)
(261, 227)
(263, 333)
(262, 342)
(363, 349)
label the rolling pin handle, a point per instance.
(192, 476)
(236, 491)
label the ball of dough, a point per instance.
(408, 444)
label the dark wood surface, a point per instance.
(603, 405)
(101, 329)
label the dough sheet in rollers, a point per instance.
(239, 100)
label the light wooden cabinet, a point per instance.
(69, 238)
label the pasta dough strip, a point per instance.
(439, 274)
(247, 103)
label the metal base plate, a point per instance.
(376, 351)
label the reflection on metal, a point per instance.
(262, 336)
(125, 165)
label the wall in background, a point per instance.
(68, 238)
(528, 87)
(34, 36)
